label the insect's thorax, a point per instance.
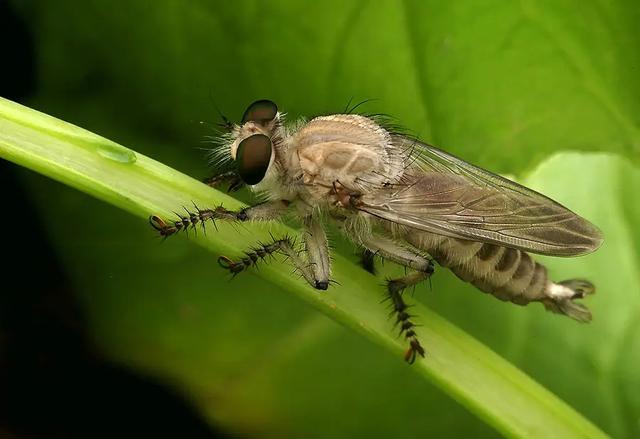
(351, 151)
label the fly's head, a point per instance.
(251, 148)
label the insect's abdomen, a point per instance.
(507, 273)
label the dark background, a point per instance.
(53, 383)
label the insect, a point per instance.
(399, 198)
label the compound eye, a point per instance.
(261, 112)
(253, 158)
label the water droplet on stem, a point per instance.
(115, 152)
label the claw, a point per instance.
(161, 226)
(157, 223)
(414, 349)
(410, 356)
(225, 262)
(228, 264)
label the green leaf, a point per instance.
(479, 379)
(503, 83)
(605, 351)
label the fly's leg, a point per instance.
(404, 255)
(367, 260)
(258, 253)
(231, 177)
(317, 249)
(285, 246)
(315, 268)
(261, 212)
(315, 271)
(395, 287)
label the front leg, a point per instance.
(269, 210)
(315, 268)
(231, 177)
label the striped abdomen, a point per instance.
(507, 273)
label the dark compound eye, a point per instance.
(262, 112)
(253, 157)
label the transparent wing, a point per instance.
(445, 195)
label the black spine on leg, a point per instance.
(395, 287)
(191, 220)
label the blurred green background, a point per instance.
(544, 91)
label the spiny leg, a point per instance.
(285, 246)
(260, 212)
(395, 288)
(315, 268)
(315, 271)
(408, 257)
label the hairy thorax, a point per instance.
(350, 151)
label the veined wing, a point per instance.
(445, 195)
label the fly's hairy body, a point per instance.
(398, 198)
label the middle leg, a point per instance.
(314, 265)
(317, 250)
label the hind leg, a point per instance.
(411, 258)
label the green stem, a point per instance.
(475, 376)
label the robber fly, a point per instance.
(399, 198)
